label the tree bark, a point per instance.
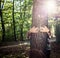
(21, 23)
(2, 23)
(39, 18)
(14, 28)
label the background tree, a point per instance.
(14, 28)
(20, 17)
(2, 21)
(57, 31)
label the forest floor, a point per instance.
(21, 49)
(55, 50)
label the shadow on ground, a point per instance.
(21, 50)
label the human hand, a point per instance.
(34, 30)
(44, 29)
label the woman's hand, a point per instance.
(34, 30)
(44, 29)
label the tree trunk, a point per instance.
(21, 33)
(39, 18)
(21, 24)
(2, 23)
(14, 23)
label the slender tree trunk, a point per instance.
(21, 24)
(14, 28)
(2, 23)
(39, 18)
(21, 32)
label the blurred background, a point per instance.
(16, 20)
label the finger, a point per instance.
(41, 28)
(37, 29)
(46, 27)
(32, 28)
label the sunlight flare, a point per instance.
(50, 6)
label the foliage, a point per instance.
(22, 16)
